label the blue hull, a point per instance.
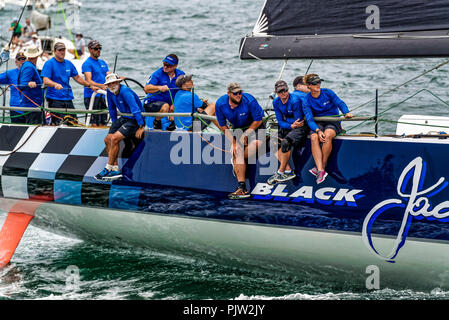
(393, 187)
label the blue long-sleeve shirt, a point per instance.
(127, 101)
(327, 104)
(11, 77)
(289, 112)
(30, 97)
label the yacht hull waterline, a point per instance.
(383, 205)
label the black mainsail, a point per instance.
(349, 29)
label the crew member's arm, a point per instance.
(152, 85)
(341, 105)
(111, 106)
(50, 83)
(136, 110)
(88, 76)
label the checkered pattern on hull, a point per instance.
(57, 164)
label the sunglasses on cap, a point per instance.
(314, 82)
(237, 93)
(282, 91)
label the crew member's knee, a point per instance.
(166, 108)
(286, 145)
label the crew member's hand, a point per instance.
(297, 124)
(58, 86)
(322, 136)
(94, 88)
(139, 132)
(349, 115)
(205, 101)
(32, 84)
(164, 88)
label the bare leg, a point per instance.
(327, 146)
(316, 151)
(283, 159)
(114, 140)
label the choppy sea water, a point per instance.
(205, 35)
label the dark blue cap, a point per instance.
(170, 60)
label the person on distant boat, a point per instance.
(80, 45)
(301, 89)
(16, 28)
(34, 42)
(318, 103)
(161, 90)
(56, 74)
(30, 84)
(183, 103)
(243, 112)
(126, 101)
(292, 129)
(28, 30)
(11, 77)
(95, 71)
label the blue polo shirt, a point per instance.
(160, 78)
(98, 68)
(59, 72)
(327, 104)
(27, 73)
(11, 77)
(183, 103)
(241, 116)
(127, 101)
(289, 112)
(300, 94)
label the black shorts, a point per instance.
(153, 106)
(126, 126)
(334, 125)
(99, 104)
(297, 137)
(56, 117)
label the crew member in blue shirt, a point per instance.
(30, 83)
(292, 131)
(301, 89)
(183, 103)
(56, 74)
(95, 71)
(161, 90)
(126, 101)
(11, 77)
(318, 103)
(243, 112)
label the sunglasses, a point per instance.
(167, 65)
(97, 48)
(238, 93)
(61, 49)
(282, 91)
(21, 59)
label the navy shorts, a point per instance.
(126, 126)
(153, 106)
(297, 137)
(323, 125)
(63, 104)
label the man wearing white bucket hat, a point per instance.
(30, 85)
(126, 101)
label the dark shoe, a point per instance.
(239, 194)
(171, 126)
(157, 124)
(102, 174)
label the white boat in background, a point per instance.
(41, 4)
(2, 4)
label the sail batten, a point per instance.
(349, 28)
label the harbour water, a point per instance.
(205, 35)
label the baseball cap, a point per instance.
(93, 44)
(170, 60)
(279, 85)
(20, 55)
(183, 79)
(59, 45)
(234, 87)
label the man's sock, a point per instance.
(109, 167)
(115, 168)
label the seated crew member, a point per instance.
(11, 77)
(183, 103)
(56, 74)
(243, 112)
(318, 103)
(161, 90)
(30, 84)
(301, 89)
(126, 101)
(80, 45)
(292, 129)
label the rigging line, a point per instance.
(403, 84)
(68, 29)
